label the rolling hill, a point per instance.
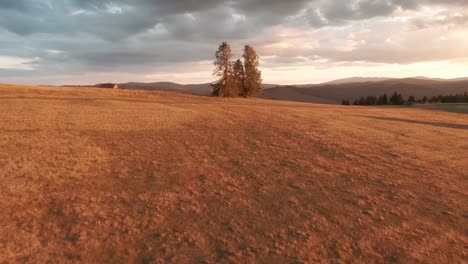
(118, 176)
(196, 89)
(331, 92)
(199, 89)
(358, 80)
(334, 93)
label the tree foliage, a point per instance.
(457, 98)
(345, 102)
(236, 78)
(253, 76)
(225, 86)
(383, 100)
(398, 99)
(239, 77)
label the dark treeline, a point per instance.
(398, 99)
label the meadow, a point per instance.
(118, 176)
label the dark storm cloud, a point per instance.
(114, 19)
(274, 8)
(17, 5)
(339, 12)
(67, 18)
(79, 35)
(118, 19)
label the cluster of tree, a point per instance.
(237, 78)
(457, 98)
(395, 99)
(398, 99)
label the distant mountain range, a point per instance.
(330, 92)
(358, 80)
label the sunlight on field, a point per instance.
(98, 175)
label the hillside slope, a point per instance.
(291, 93)
(328, 93)
(119, 176)
(197, 89)
(334, 93)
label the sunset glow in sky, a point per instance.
(299, 41)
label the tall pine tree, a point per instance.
(397, 99)
(253, 76)
(239, 77)
(226, 85)
(383, 100)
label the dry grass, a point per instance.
(132, 176)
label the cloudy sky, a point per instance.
(299, 41)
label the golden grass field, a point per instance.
(115, 176)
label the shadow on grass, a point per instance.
(448, 125)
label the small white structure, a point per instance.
(116, 86)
